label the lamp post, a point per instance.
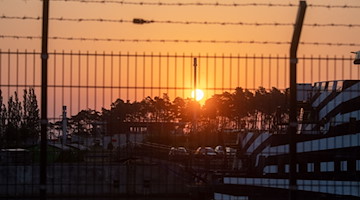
(357, 58)
(195, 81)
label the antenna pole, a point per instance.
(195, 87)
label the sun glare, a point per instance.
(199, 94)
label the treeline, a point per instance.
(19, 120)
(240, 109)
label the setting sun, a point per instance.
(199, 94)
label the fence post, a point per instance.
(44, 120)
(293, 100)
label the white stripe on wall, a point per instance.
(325, 186)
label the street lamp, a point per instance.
(357, 58)
(195, 95)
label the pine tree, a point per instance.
(34, 115)
(2, 117)
(14, 115)
(14, 111)
(30, 126)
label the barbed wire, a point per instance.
(66, 19)
(142, 3)
(141, 21)
(143, 40)
(177, 41)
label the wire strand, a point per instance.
(177, 41)
(177, 22)
(141, 3)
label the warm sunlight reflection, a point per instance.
(199, 94)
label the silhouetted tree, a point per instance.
(12, 131)
(190, 108)
(2, 117)
(243, 109)
(136, 112)
(163, 111)
(115, 117)
(219, 109)
(242, 106)
(85, 122)
(19, 123)
(147, 109)
(276, 103)
(178, 108)
(210, 110)
(240, 109)
(30, 126)
(267, 104)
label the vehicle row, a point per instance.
(219, 151)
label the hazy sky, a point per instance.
(229, 73)
(246, 14)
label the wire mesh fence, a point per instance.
(126, 125)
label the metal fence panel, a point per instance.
(125, 111)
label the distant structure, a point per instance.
(64, 126)
(327, 145)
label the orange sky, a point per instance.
(258, 14)
(265, 76)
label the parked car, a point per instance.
(230, 151)
(205, 151)
(178, 153)
(220, 150)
